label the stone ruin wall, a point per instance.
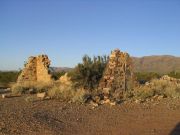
(43, 73)
(118, 75)
(36, 69)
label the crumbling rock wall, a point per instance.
(118, 75)
(36, 69)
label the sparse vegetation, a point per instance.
(67, 93)
(88, 73)
(85, 79)
(54, 90)
(57, 75)
(143, 77)
(22, 88)
(158, 87)
(174, 74)
(8, 77)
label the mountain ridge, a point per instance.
(153, 63)
(156, 63)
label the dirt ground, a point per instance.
(53, 117)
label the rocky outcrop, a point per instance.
(118, 75)
(170, 79)
(36, 69)
(65, 79)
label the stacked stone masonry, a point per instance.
(36, 69)
(118, 75)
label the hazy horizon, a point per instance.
(66, 30)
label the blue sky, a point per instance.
(68, 29)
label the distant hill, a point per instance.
(59, 69)
(160, 64)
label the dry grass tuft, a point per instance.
(55, 90)
(158, 87)
(67, 93)
(22, 88)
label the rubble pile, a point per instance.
(171, 79)
(164, 78)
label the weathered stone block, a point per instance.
(118, 75)
(36, 69)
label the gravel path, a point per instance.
(52, 117)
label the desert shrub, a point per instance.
(8, 77)
(22, 88)
(174, 74)
(42, 86)
(143, 77)
(57, 75)
(80, 95)
(18, 89)
(173, 92)
(128, 94)
(144, 93)
(88, 73)
(158, 87)
(67, 93)
(54, 90)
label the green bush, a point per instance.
(174, 74)
(88, 73)
(7, 77)
(143, 77)
(57, 75)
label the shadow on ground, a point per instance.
(176, 130)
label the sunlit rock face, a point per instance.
(118, 75)
(36, 69)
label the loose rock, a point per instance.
(41, 95)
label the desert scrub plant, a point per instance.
(172, 91)
(88, 73)
(7, 77)
(43, 86)
(67, 93)
(174, 74)
(80, 95)
(57, 75)
(128, 94)
(22, 88)
(167, 88)
(158, 87)
(143, 77)
(18, 89)
(143, 93)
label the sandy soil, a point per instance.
(52, 117)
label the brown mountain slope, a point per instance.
(160, 64)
